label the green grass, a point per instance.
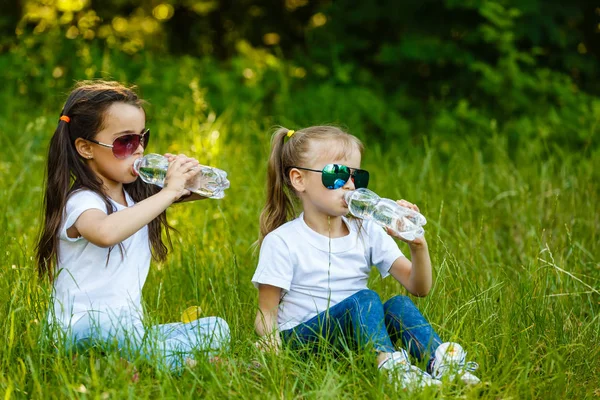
(513, 236)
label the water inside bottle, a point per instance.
(405, 222)
(155, 176)
(388, 213)
(360, 203)
(361, 209)
(209, 183)
(205, 184)
(198, 188)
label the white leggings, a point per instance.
(165, 345)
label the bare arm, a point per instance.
(265, 322)
(108, 230)
(414, 274)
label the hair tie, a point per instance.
(65, 118)
(290, 133)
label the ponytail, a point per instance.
(57, 184)
(279, 204)
(286, 153)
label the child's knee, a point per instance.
(222, 327)
(367, 296)
(219, 331)
(399, 302)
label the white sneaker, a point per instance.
(449, 362)
(403, 374)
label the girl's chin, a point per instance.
(131, 179)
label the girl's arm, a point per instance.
(266, 317)
(108, 230)
(413, 274)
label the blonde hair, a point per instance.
(279, 206)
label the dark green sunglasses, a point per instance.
(334, 176)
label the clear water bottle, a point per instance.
(365, 204)
(209, 182)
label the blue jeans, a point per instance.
(364, 320)
(167, 345)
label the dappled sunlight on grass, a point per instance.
(513, 238)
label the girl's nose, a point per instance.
(140, 149)
(349, 184)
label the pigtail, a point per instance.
(279, 204)
(139, 190)
(57, 183)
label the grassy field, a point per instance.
(513, 236)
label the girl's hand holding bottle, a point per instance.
(181, 170)
(400, 218)
(417, 242)
(172, 157)
(206, 182)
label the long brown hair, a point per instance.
(66, 171)
(279, 206)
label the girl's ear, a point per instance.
(297, 180)
(84, 148)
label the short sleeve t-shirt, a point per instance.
(88, 280)
(313, 277)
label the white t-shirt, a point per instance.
(85, 283)
(295, 258)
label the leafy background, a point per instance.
(485, 113)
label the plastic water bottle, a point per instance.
(365, 204)
(209, 182)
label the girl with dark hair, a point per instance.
(93, 203)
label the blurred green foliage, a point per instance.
(389, 71)
(485, 113)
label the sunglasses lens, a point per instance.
(335, 176)
(361, 178)
(124, 146)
